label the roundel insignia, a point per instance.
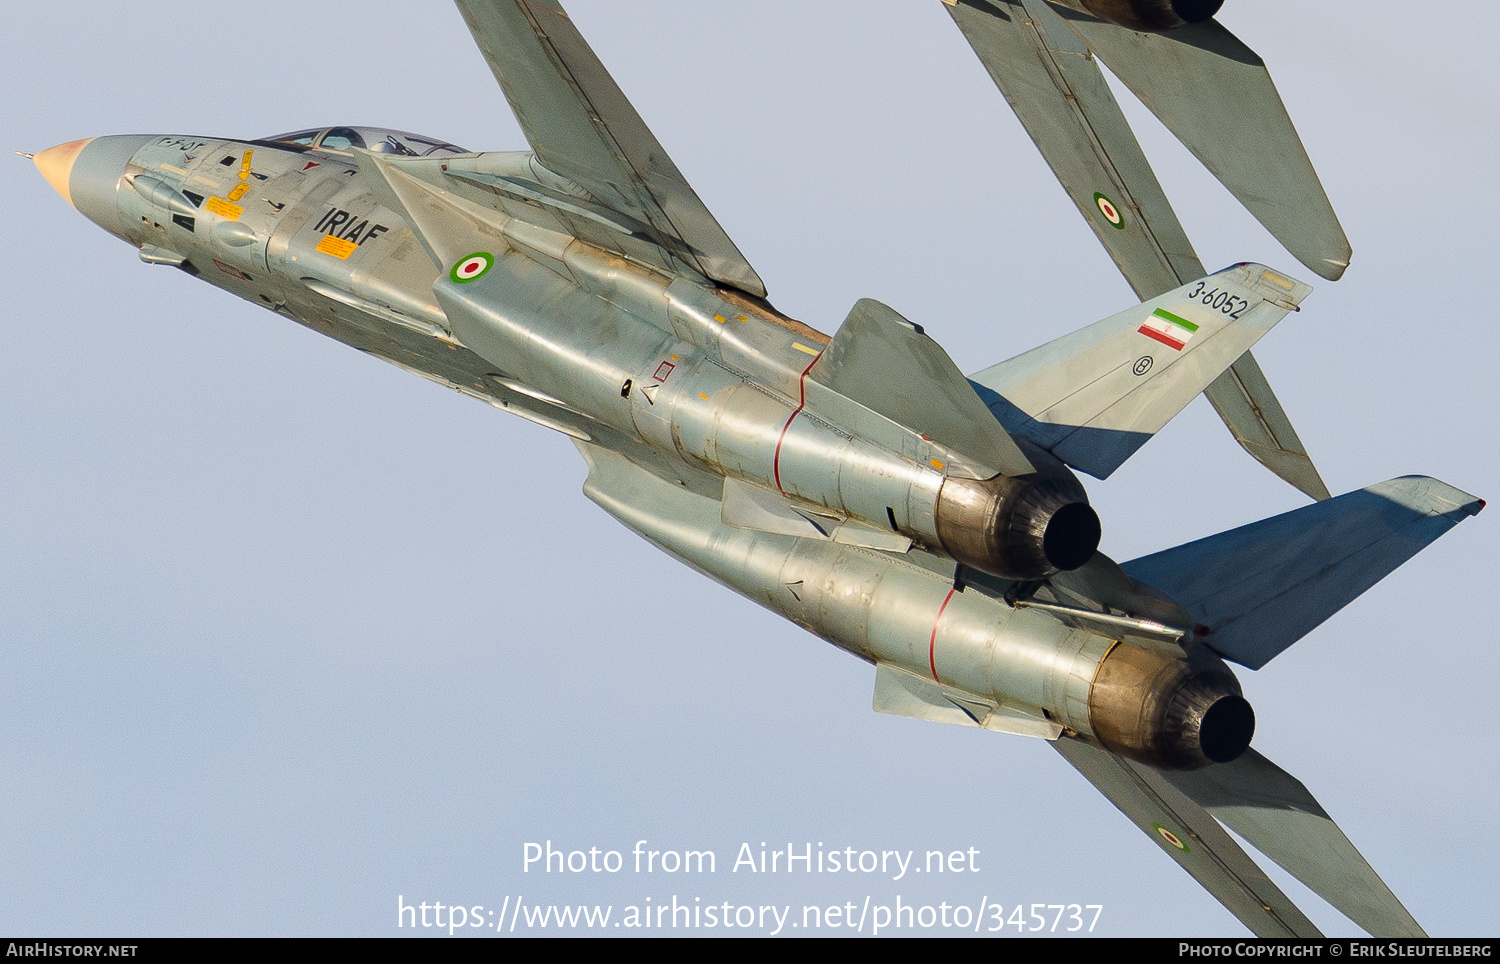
(1110, 211)
(473, 267)
(1170, 837)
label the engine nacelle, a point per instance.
(1174, 713)
(1147, 16)
(1022, 527)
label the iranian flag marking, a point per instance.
(1169, 329)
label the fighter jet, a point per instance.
(858, 484)
(1216, 95)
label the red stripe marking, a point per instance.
(932, 643)
(1164, 339)
(801, 403)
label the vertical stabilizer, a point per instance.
(1094, 397)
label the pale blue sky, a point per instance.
(286, 632)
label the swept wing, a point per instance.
(584, 131)
(1048, 74)
(1213, 92)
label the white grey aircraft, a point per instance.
(859, 484)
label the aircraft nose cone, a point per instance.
(56, 165)
(87, 174)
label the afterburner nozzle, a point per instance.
(1019, 527)
(1172, 712)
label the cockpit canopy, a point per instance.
(376, 139)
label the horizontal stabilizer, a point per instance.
(1189, 835)
(581, 127)
(1094, 397)
(1216, 95)
(890, 366)
(1272, 810)
(900, 693)
(1260, 588)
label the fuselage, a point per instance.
(677, 390)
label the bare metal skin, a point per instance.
(926, 521)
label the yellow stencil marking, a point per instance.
(806, 350)
(936, 464)
(238, 192)
(337, 247)
(703, 395)
(741, 318)
(224, 209)
(245, 166)
(719, 319)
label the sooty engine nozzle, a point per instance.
(1172, 712)
(1019, 527)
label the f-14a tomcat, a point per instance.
(860, 485)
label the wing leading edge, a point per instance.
(582, 128)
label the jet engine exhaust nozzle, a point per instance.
(1173, 713)
(1018, 527)
(1072, 536)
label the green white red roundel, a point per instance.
(473, 267)
(1170, 837)
(1110, 210)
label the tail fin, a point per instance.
(1260, 588)
(1094, 397)
(892, 367)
